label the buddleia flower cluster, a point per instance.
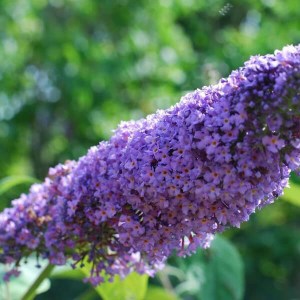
(167, 183)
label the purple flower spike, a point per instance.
(168, 182)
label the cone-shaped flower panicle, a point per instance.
(170, 181)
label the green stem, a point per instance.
(31, 291)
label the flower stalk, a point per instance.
(169, 182)
(31, 292)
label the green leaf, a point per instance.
(17, 286)
(292, 194)
(213, 274)
(223, 271)
(159, 293)
(66, 272)
(132, 287)
(89, 294)
(10, 182)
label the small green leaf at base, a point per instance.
(158, 293)
(132, 287)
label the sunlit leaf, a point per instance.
(132, 287)
(292, 194)
(66, 272)
(10, 182)
(159, 293)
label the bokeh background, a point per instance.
(71, 70)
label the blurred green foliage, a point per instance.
(72, 69)
(215, 273)
(16, 288)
